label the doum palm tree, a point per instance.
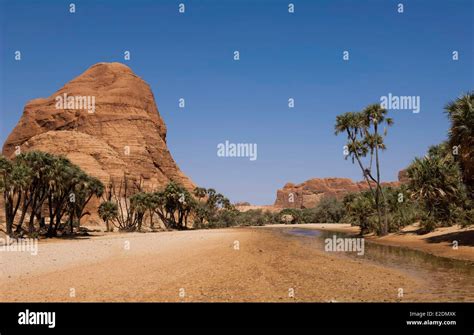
(365, 137)
(461, 135)
(108, 211)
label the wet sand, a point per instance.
(238, 264)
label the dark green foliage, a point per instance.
(139, 203)
(365, 132)
(256, 217)
(223, 219)
(461, 136)
(174, 205)
(360, 211)
(35, 180)
(436, 183)
(211, 206)
(108, 211)
(328, 210)
(441, 184)
(401, 209)
(252, 217)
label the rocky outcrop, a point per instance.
(403, 176)
(107, 122)
(310, 192)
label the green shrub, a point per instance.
(231, 218)
(401, 209)
(223, 219)
(361, 211)
(436, 183)
(328, 210)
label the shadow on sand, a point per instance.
(463, 238)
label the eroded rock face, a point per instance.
(403, 176)
(310, 192)
(124, 133)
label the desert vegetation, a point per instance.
(44, 194)
(439, 190)
(174, 207)
(47, 195)
(365, 139)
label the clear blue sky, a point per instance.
(282, 55)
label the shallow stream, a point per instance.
(446, 278)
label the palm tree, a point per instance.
(461, 134)
(158, 200)
(6, 167)
(138, 206)
(226, 204)
(86, 188)
(34, 177)
(20, 179)
(376, 116)
(63, 179)
(150, 205)
(108, 210)
(363, 131)
(40, 165)
(200, 192)
(435, 182)
(177, 203)
(360, 208)
(15, 182)
(352, 124)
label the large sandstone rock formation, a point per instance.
(310, 192)
(123, 134)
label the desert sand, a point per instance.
(203, 265)
(238, 264)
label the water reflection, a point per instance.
(447, 279)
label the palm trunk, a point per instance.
(361, 166)
(71, 220)
(24, 209)
(152, 225)
(8, 214)
(31, 226)
(384, 227)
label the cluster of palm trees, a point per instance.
(46, 191)
(173, 206)
(436, 184)
(440, 190)
(400, 209)
(365, 131)
(209, 204)
(45, 194)
(443, 180)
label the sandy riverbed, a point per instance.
(199, 265)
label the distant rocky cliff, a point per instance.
(310, 192)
